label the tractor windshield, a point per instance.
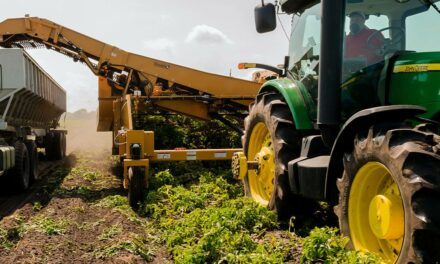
(377, 29)
(305, 40)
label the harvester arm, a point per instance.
(132, 86)
(107, 61)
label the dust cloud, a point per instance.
(82, 135)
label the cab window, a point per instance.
(305, 39)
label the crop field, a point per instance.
(193, 212)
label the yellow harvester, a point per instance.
(130, 86)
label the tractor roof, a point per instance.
(296, 6)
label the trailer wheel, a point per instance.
(63, 145)
(389, 201)
(20, 173)
(55, 145)
(33, 160)
(136, 176)
(58, 145)
(272, 141)
(47, 144)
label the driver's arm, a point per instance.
(377, 40)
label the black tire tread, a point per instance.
(413, 155)
(55, 145)
(20, 172)
(274, 111)
(136, 186)
(33, 160)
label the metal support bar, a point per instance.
(127, 84)
(193, 154)
(329, 93)
(8, 105)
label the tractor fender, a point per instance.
(294, 99)
(361, 121)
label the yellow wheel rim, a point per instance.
(260, 149)
(375, 212)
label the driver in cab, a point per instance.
(363, 42)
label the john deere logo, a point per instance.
(417, 67)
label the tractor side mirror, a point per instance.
(265, 18)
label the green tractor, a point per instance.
(353, 120)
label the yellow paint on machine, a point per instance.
(348, 82)
(419, 67)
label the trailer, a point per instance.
(31, 104)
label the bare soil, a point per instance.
(69, 222)
(79, 212)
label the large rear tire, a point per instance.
(271, 139)
(20, 172)
(389, 201)
(136, 185)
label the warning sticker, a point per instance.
(220, 154)
(164, 156)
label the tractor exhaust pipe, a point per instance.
(329, 94)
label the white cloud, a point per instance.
(204, 34)
(160, 44)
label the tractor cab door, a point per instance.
(304, 50)
(368, 39)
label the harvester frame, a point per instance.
(130, 86)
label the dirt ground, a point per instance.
(79, 213)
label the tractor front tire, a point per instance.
(136, 185)
(271, 140)
(389, 202)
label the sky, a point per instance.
(209, 35)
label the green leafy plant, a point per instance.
(326, 245)
(136, 246)
(120, 204)
(162, 178)
(113, 201)
(7, 237)
(36, 206)
(110, 232)
(181, 131)
(210, 221)
(48, 225)
(213, 233)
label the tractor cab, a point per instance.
(389, 49)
